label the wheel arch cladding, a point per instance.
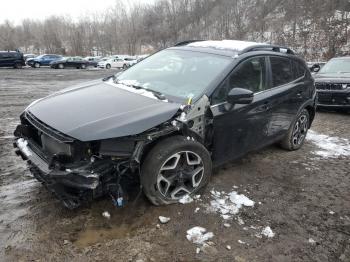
(312, 113)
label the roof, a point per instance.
(234, 47)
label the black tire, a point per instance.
(158, 157)
(36, 65)
(294, 141)
(108, 66)
(60, 66)
(18, 66)
(83, 66)
(125, 66)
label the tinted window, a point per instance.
(299, 69)
(250, 74)
(282, 72)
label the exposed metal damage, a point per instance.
(78, 172)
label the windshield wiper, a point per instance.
(157, 94)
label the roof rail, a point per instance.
(273, 48)
(187, 42)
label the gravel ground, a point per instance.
(302, 196)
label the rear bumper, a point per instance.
(73, 184)
(333, 99)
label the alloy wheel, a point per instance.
(180, 175)
(300, 130)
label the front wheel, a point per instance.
(83, 66)
(125, 66)
(108, 66)
(61, 66)
(175, 167)
(297, 132)
(37, 65)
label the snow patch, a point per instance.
(330, 147)
(186, 199)
(225, 44)
(126, 85)
(198, 235)
(23, 146)
(106, 214)
(228, 204)
(267, 232)
(164, 220)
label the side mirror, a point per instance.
(240, 96)
(316, 68)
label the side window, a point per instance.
(299, 69)
(250, 74)
(281, 69)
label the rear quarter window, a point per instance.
(281, 70)
(299, 69)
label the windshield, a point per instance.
(336, 66)
(176, 73)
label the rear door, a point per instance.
(241, 128)
(287, 94)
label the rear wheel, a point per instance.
(83, 66)
(108, 66)
(36, 65)
(175, 167)
(297, 132)
(61, 66)
(18, 66)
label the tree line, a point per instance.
(316, 29)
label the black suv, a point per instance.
(11, 59)
(168, 119)
(333, 84)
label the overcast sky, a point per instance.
(16, 10)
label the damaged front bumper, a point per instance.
(74, 184)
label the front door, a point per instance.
(241, 128)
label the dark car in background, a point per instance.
(13, 59)
(70, 62)
(42, 60)
(333, 84)
(167, 120)
(92, 60)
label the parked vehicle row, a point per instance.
(17, 60)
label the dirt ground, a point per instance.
(302, 196)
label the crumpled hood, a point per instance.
(98, 110)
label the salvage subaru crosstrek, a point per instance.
(169, 119)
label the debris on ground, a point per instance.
(106, 214)
(186, 199)
(198, 235)
(227, 225)
(267, 232)
(228, 204)
(311, 241)
(164, 220)
(228, 247)
(196, 210)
